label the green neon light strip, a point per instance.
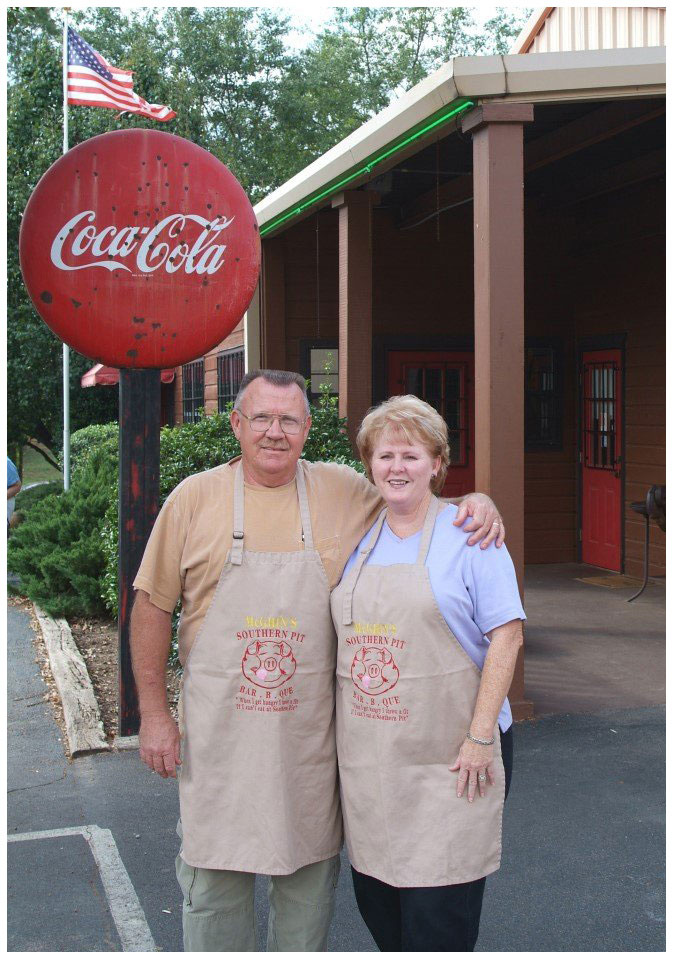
(367, 168)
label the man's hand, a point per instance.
(160, 744)
(486, 523)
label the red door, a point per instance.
(601, 458)
(445, 381)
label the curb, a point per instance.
(84, 726)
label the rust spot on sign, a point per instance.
(132, 353)
(75, 303)
(138, 319)
(155, 326)
(139, 336)
(46, 296)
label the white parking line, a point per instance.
(125, 907)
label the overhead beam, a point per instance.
(606, 181)
(594, 127)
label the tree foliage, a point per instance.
(240, 89)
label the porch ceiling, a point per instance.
(567, 143)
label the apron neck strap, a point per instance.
(236, 556)
(365, 550)
(428, 529)
(304, 511)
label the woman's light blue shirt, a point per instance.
(475, 589)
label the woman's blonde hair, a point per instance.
(416, 421)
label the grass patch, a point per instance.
(37, 470)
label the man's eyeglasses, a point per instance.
(261, 422)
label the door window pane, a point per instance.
(443, 387)
(600, 438)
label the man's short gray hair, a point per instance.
(278, 378)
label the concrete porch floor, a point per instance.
(586, 648)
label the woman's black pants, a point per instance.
(431, 918)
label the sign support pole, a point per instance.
(139, 428)
(66, 350)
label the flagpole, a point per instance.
(66, 351)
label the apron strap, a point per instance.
(236, 555)
(304, 511)
(347, 612)
(428, 529)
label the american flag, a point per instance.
(93, 82)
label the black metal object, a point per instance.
(139, 425)
(652, 507)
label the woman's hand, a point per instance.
(475, 763)
(486, 523)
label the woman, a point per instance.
(423, 723)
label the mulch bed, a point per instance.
(97, 641)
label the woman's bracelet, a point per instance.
(480, 742)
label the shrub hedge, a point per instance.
(56, 550)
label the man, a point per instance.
(13, 487)
(253, 548)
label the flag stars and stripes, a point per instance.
(93, 82)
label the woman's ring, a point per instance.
(482, 778)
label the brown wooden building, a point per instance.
(493, 242)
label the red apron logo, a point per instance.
(374, 670)
(161, 246)
(268, 664)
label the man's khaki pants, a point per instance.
(218, 913)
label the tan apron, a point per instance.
(258, 787)
(406, 691)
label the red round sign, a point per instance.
(140, 249)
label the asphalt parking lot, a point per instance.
(93, 840)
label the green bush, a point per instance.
(57, 550)
(89, 440)
(27, 498)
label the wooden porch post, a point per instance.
(272, 339)
(355, 305)
(497, 142)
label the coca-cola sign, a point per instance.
(140, 249)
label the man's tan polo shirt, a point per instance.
(192, 534)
